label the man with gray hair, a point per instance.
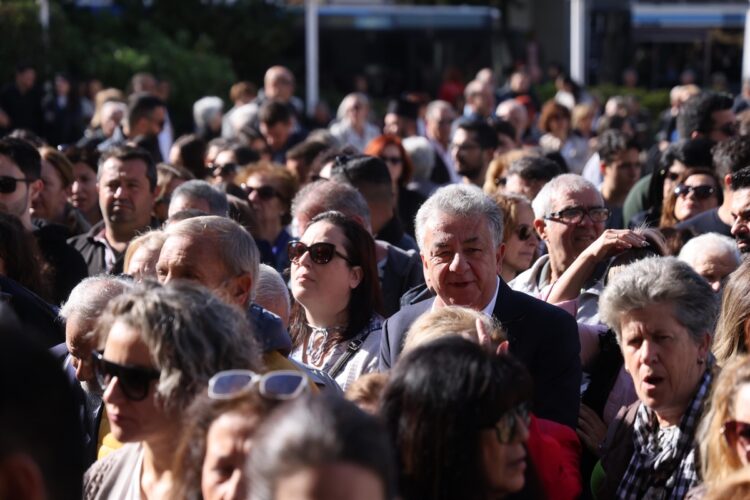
(439, 118)
(198, 195)
(713, 256)
(85, 304)
(459, 232)
(569, 215)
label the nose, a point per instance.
(458, 262)
(78, 364)
(648, 352)
(522, 430)
(738, 227)
(112, 395)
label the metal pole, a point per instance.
(746, 48)
(578, 40)
(311, 54)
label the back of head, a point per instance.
(325, 196)
(612, 143)
(741, 179)
(141, 105)
(451, 321)
(731, 155)
(311, 433)
(202, 190)
(368, 174)
(483, 133)
(422, 156)
(90, 297)
(273, 112)
(41, 445)
(695, 113)
(24, 155)
(709, 243)
(534, 168)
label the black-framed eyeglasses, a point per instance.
(507, 428)
(223, 170)
(702, 192)
(264, 192)
(574, 215)
(320, 253)
(280, 384)
(524, 232)
(10, 184)
(134, 381)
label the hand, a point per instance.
(614, 241)
(591, 429)
(486, 342)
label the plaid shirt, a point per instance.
(659, 469)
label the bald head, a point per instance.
(278, 83)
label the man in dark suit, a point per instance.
(459, 231)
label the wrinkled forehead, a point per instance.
(574, 198)
(445, 228)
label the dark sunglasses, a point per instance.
(734, 431)
(279, 385)
(134, 381)
(393, 160)
(701, 192)
(524, 232)
(9, 184)
(320, 253)
(222, 170)
(507, 427)
(264, 192)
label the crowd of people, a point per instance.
(481, 297)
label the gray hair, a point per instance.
(190, 333)
(234, 245)
(346, 102)
(557, 187)
(422, 156)
(656, 280)
(271, 289)
(202, 190)
(705, 243)
(325, 196)
(434, 108)
(91, 296)
(460, 200)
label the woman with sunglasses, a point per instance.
(724, 437)
(519, 236)
(160, 346)
(269, 190)
(335, 322)
(388, 148)
(696, 190)
(458, 417)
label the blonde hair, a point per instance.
(499, 166)
(736, 485)
(509, 203)
(152, 240)
(365, 392)
(729, 338)
(718, 459)
(451, 321)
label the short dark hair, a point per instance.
(504, 127)
(192, 149)
(368, 174)
(24, 155)
(695, 113)
(741, 179)
(612, 143)
(693, 153)
(141, 105)
(484, 134)
(273, 112)
(88, 155)
(535, 168)
(306, 151)
(731, 155)
(127, 153)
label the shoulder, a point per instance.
(105, 472)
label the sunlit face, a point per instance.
(741, 214)
(228, 444)
(50, 203)
(670, 180)
(391, 155)
(520, 253)
(715, 265)
(689, 205)
(460, 260)
(469, 158)
(142, 263)
(741, 412)
(662, 358)
(125, 194)
(504, 464)
(18, 202)
(80, 343)
(335, 481)
(84, 195)
(269, 210)
(132, 421)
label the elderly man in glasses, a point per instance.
(459, 231)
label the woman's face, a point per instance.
(504, 463)
(520, 253)
(324, 285)
(132, 421)
(670, 179)
(142, 264)
(84, 195)
(50, 203)
(741, 412)
(391, 155)
(228, 443)
(559, 124)
(665, 362)
(264, 198)
(693, 202)
(336, 481)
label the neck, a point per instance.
(508, 273)
(119, 237)
(26, 221)
(725, 210)
(158, 453)
(556, 269)
(673, 416)
(269, 231)
(327, 318)
(612, 196)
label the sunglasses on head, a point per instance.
(735, 431)
(134, 381)
(264, 192)
(280, 385)
(701, 192)
(320, 253)
(10, 184)
(524, 232)
(507, 427)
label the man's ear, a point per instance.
(35, 188)
(241, 288)
(728, 181)
(541, 228)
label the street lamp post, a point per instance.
(578, 40)
(311, 54)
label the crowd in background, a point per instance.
(483, 295)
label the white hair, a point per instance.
(205, 108)
(558, 187)
(347, 102)
(708, 243)
(271, 290)
(422, 156)
(434, 108)
(91, 296)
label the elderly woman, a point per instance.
(724, 436)
(713, 256)
(150, 370)
(270, 190)
(142, 255)
(519, 236)
(663, 314)
(352, 128)
(335, 324)
(697, 190)
(733, 327)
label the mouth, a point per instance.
(652, 380)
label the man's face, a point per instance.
(741, 214)
(280, 86)
(17, 202)
(125, 195)
(156, 121)
(277, 134)
(460, 260)
(529, 188)
(50, 203)
(724, 126)
(80, 343)
(25, 80)
(565, 241)
(439, 126)
(625, 171)
(468, 157)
